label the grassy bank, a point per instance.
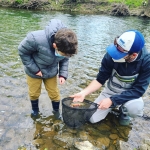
(80, 6)
(130, 3)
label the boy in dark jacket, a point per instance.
(126, 68)
(45, 53)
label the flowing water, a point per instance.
(95, 32)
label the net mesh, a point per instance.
(76, 114)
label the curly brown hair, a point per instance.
(66, 41)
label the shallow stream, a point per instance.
(17, 129)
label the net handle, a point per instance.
(109, 107)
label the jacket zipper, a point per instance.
(126, 67)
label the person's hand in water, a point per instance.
(78, 97)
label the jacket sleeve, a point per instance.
(26, 49)
(105, 69)
(63, 68)
(139, 87)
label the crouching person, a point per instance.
(126, 68)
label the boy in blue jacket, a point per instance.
(126, 68)
(44, 54)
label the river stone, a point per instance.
(121, 145)
(111, 147)
(113, 136)
(114, 131)
(64, 140)
(49, 134)
(103, 141)
(46, 129)
(122, 135)
(103, 127)
(126, 132)
(38, 142)
(93, 131)
(83, 135)
(143, 147)
(71, 130)
(147, 141)
(57, 126)
(85, 145)
(60, 148)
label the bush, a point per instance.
(130, 3)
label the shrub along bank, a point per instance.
(112, 7)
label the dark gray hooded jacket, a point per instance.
(37, 53)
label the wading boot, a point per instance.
(56, 111)
(124, 119)
(35, 108)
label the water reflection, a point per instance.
(94, 32)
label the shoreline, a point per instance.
(81, 8)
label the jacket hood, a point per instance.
(53, 26)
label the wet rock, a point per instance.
(38, 142)
(64, 140)
(120, 10)
(83, 136)
(105, 141)
(112, 147)
(121, 145)
(85, 145)
(123, 131)
(57, 125)
(22, 148)
(113, 136)
(48, 129)
(60, 148)
(70, 130)
(104, 127)
(147, 141)
(126, 132)
(114, 131)
(143, 147)
(49, 134)
(93, 131)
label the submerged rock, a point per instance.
(85, 145)
(123, 146)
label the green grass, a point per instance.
(130, 3)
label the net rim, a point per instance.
(77, 108)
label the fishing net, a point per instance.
(76, 114)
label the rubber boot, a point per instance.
(35, 108)
(124, 119)
(56, 111)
